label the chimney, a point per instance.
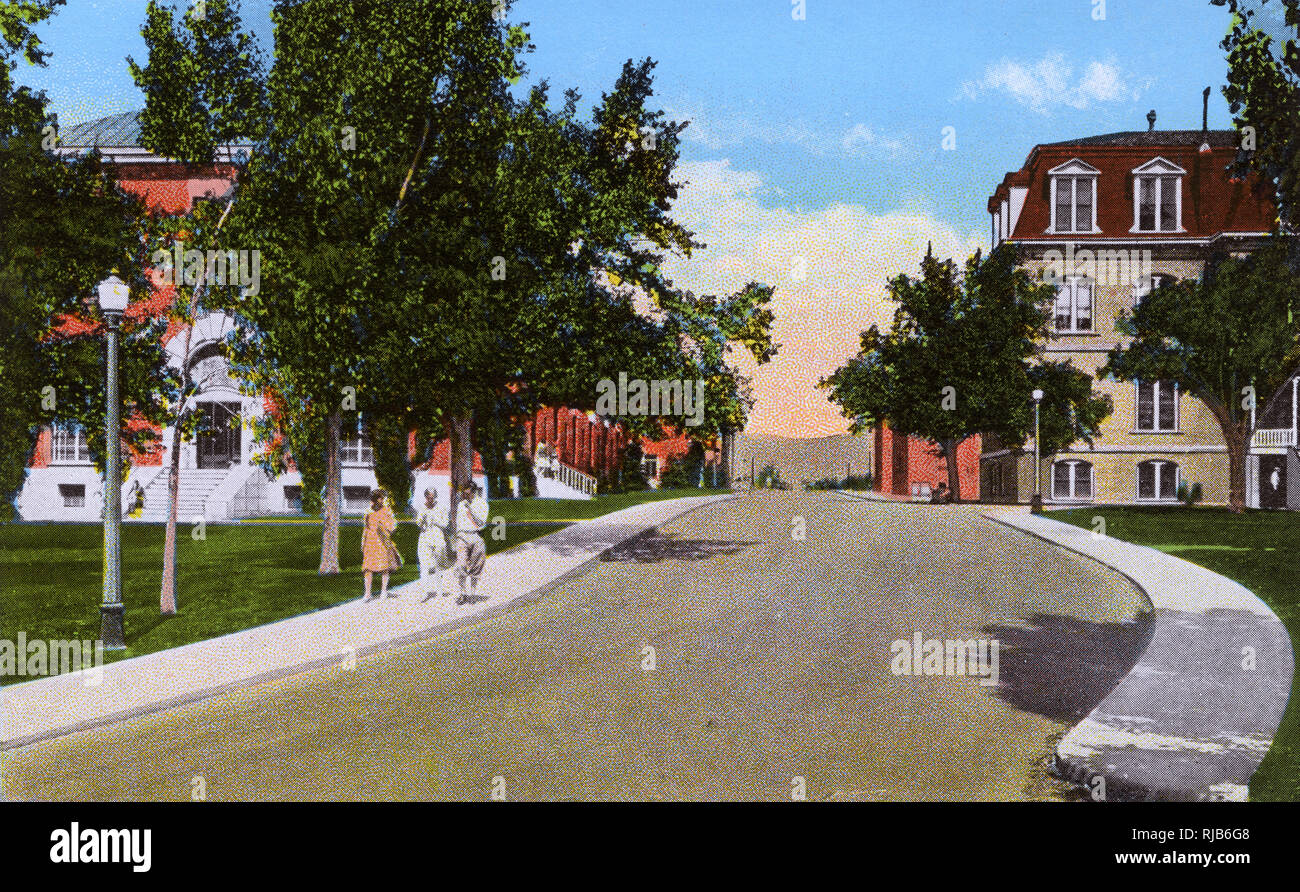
(1151, 120)
(1205, 121)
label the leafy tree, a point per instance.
(495, 310)
(1263, 92)
(203, 88)
(1224, 338)
(64, 226)
(960, 360)
(328, 189)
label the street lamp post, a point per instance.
(113, 297)
(1036, 504)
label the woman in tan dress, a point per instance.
(378, 554)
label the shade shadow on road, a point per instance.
(1061, 667)
(655, 547)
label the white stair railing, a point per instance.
(575, 479)
(1275, 436)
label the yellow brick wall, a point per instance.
(1195, 445)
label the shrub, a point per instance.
(677, 475)
(857, 482)
(1190, 495)
(770, 478)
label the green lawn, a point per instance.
(1260, 550)
(514, 510)
(239, 576)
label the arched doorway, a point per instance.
(219, 440)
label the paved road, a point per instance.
(771, 664)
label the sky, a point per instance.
(815, 159)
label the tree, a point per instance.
(64, 225)
(513, 276)
(202, 86)
(960, 360)
(329, 184)
(1224, 338)
(1263, 93)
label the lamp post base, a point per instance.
(1036, 504)
(111, 631)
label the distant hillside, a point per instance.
(805, 459)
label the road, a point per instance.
(771, 679)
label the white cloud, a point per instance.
(860, 140)
(1050, 82)
(732, 130)
(829, 268)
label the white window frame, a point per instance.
(1159, 496)
(72, 499)
(1074, 479)
(65, 438)
(1072, 284)
(359, 446)
(1074, 170)
(1159, 387)
(1161, 170)
(650, 466)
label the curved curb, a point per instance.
(1197, 713)
(51, 696)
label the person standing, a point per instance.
(471, 550)
(431, 548)
(378, 553)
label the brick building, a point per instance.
(1108, 216)
(220, 478)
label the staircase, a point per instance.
(196, 487)
(568, 483)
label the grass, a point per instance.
(1258, 549)
(237, 577)
(563, 510)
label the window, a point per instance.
(293, 497)
(1074, 197)
(1158, 197)
(1157, 481)
(356, 498)
(355, 450)
(1074, 305)
(1072, 479)
(74, 495)
(1147, 286)
(1157, 406)
(69, 445)
(650, 467)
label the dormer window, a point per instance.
(1074, 197)
(1158, 197)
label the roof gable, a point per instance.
(1074, 166)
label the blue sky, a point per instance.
(815, 157)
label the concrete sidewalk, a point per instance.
(1195, 716)
(51, 707)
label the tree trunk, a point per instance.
(167, 602)
(460, 432)
(950, 459)
(167, 599)
(724, 457)
(1237, 441)
(329, 543)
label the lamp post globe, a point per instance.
(113, 298)
(1036, 503)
